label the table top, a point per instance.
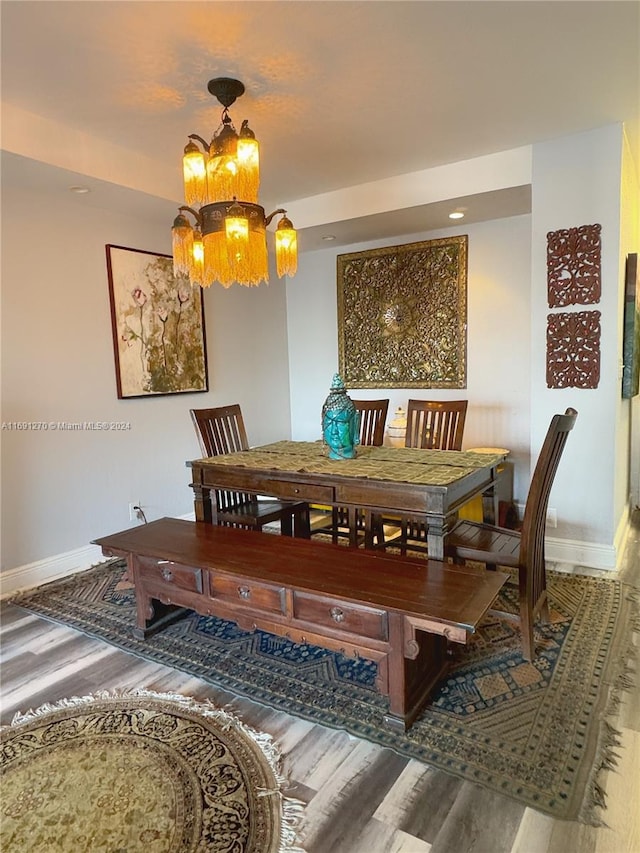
(398, 464)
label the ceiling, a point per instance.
(338, 93)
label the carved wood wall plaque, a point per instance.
(402, 315)
(573, 266)
(573, 349)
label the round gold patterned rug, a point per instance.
(141, 771)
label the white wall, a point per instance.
(576, 181)
(62, 489)
(498, 340)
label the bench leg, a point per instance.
(412, 679)
(153, 615)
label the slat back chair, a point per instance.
(524, 549)
(431, 425)
(221, 430)
(435, 425)
(373, 416)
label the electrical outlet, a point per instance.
(552, 517)
(133, 513)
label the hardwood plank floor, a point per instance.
(360, 798)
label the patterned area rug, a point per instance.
(534, 731)
(138, 772)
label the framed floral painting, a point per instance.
(158, 329)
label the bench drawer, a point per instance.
(188, 578)
(340, 615)
(257, 596)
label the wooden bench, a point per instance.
(400, 613)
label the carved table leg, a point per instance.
(436, 530)
(490, 505)
(204, 504)
(302, 524)
(368, 528)
(286, 524)
(352, 515)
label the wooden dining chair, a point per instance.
(373, 417)
(221, 430)
(431, 425)
(435, 424)
(522, 550)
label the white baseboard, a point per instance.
(590, 555)
(43, 571)
(52, 568)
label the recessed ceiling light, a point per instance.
(79, 190)
(457, 214)
(329, 237)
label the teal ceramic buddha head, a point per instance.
(340, 422)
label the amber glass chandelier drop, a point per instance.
(228, 242)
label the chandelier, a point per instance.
(228, 240)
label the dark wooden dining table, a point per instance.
(429, 486)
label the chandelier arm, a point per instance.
(268, 218)
(196, 215)
(202, 141)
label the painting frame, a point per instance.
(157, 325)
(402, 315)
(631, 332)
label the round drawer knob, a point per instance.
(244, 592)
(296, 491)
(167, 574)
(336, 614)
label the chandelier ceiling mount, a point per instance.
(226, 90)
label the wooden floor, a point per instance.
(360, 798)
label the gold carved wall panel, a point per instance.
(402, 315)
